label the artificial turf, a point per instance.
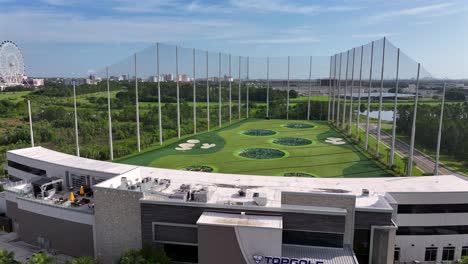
(319, 158)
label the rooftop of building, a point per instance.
(59, 158)
(167, 185)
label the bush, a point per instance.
(146, 255)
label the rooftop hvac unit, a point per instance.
(179, 195)
(365, 192)
(202, 195)
(124, 183)
(260, 199)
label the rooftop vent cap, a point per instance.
(365, 192)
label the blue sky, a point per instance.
(74, 37)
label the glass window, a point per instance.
(181, 253)
(26, 168)
(448, 253)
(432, 208)
(464, 252)
(431, 254)
(312, 238)
(431, 230)
(396, 254)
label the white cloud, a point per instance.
(42, 26)
(287, 6)
(426, 10)
(373, 35)
(280, 40)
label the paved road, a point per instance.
(426, 163)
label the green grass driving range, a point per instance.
(227, 146)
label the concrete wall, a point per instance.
(414, 247)
(236, 244)
(448, 219)
(430, 197)
(2, 202)
(259, 241)
(383, 245)
(347, 202)
(118, 223)
(218, 244)
(66, 237)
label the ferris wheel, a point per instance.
(11, 64)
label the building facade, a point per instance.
(209, 218)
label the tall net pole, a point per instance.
(248, 93)
(137, 106)
(31, 132)
(219, 92)
(239, 96)
(379, 119)
(329, 89)
(194, 94)
(268, 89)
(230, 91)
(339, 91)
(358, 116)
(287, 92)
(159, 96)
(207, 94)
(310, 88)
(413, 128)
(334, 90)
(395, 105)
(178, 91)
(366, 140)
(439, 134)
(343, 122)
(350, 118)
(109, 117)
(77, 141)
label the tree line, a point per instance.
(455, 124)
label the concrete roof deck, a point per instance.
(59, 158)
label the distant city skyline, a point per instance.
(75, 38)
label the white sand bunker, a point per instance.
(207, 146)
(191, 143)
(185, 146)
(188, 145)
(335, 141)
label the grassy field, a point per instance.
(13, 96)
(320, 159)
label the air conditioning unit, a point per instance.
(260, 199)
